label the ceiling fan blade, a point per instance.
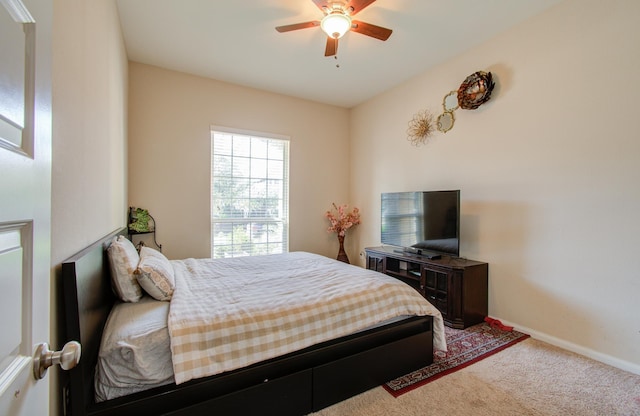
(371, 30)
(352, 6)
(357, 5)
(296, 26)
(332, 46)
(321, 4)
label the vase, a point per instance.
(342, 255)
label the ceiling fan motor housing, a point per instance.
(336, 24)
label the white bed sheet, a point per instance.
(135, 353)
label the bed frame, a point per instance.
(295, 384)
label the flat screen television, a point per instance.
(425, 223)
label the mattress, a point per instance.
(136, 350)
(135, 356)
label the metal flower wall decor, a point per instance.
(421, 128)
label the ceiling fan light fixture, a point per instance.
(336, 24)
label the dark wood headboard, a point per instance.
(88, 298)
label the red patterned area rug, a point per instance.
(464, 347)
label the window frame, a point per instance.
(279, 221)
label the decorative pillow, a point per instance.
(155, 274)
(123, 259)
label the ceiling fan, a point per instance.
(338, 20)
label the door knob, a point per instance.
(43, 358)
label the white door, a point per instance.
(25, 200)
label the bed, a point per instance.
(296, 383)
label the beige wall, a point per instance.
(170, 118)
(89, 177)
(548, 172)
(89, 183)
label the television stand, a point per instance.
(457, 287)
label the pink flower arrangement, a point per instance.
(341, 219)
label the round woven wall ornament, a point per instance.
(475, 90)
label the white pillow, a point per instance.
(155, 274)
(123, 259)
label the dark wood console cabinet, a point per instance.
(457, 287)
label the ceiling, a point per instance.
(235, 41)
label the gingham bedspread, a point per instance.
(230, 313)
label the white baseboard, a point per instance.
(578, 349)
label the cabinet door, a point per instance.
(375, 263)
(457, 302)
(436, 289)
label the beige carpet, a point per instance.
(529, 378)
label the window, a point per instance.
(249, 194)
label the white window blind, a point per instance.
(249, 194)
